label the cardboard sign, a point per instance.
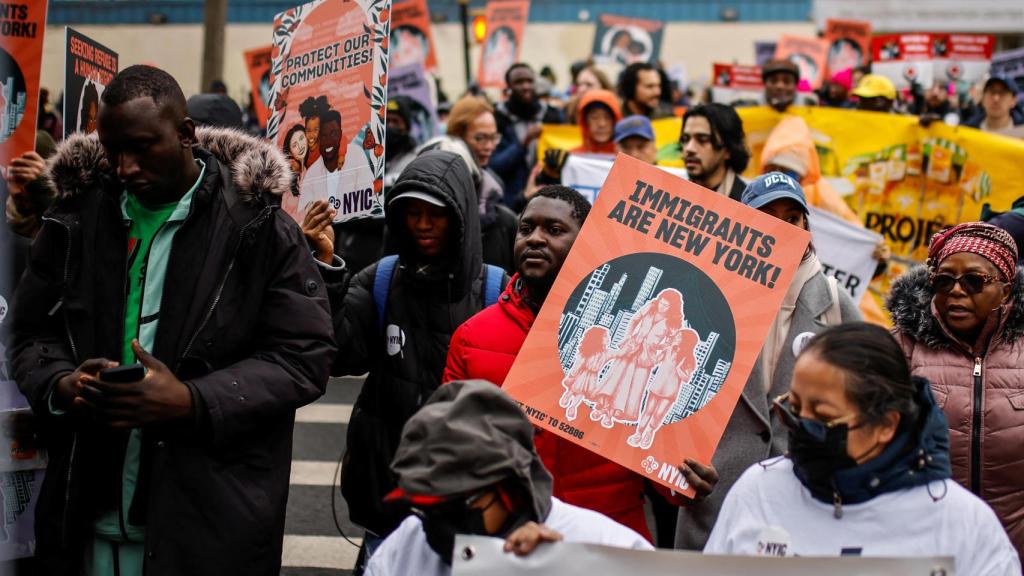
(849, 44)
(809, 54)
(962, 57)
(88, 67)
(623, 41)
(483, 556)
(586, 173)
(329, 98)
(903, 58)
(655, 321)
(734, 82)
(22, 27)
(412, 41)
(411, 81)
(506, 21)
(846, 251)
(258, 62)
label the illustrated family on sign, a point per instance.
(653, 360)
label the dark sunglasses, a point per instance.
(972, 282)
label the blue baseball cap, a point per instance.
(1005, 80)
(773, 186)
(636, 125)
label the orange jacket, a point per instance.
(608, 98)
(790, 145)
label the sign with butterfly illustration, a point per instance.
(329, 98)
(651, 329)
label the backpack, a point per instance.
(386, 269)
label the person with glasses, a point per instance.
(812, 303)
(460, 473)
(960, 321)
(867, 471)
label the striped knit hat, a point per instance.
(990, 242)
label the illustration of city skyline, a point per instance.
(12, 106)
(613, 310)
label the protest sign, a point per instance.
(904, 59)
(621, 40)
(568, 137)
(637, 354)
(961, 57)
(506, 21)
(846, 251)
(329, 98)
(849, 44)
(1009, 64)
(809, 54)
(733, 83)
(485, 556)
(411, 81)
(764, 51)
(412, 41)
(88, 67)
(22, 27)
(586, 173)
(258, 62)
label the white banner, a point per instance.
(587, 172)
(845, 251)
(481, 556)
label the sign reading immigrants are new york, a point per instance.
(655, 322)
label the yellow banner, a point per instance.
(903, 180)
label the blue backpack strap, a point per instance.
(493, 276)
(382, 285)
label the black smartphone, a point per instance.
(123, 374)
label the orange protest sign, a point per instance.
(21, 54)
(506, 21)
(257, 62)
(329, 98)
(655, 322)
(810, 54)
(412, 41)
(849, 44)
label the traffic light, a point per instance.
(479, 28)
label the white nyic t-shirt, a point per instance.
(769, 512)
(406, 550)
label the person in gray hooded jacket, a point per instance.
(466, 465)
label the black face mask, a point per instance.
(397, 141)
(441, 524)
(817, 452)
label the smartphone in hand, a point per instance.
(123, 374)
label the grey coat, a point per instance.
(753, 434)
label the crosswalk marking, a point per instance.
(324, 413)
(312, 473)
(319, 552)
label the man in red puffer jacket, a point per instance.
(486, 345)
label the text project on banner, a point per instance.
(329, 98)
(655, 321)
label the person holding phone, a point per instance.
(170, 322)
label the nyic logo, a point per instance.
(665, 472)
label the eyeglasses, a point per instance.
(790, 419)
(972, 282)
(487, 138)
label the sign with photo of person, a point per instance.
(963, 58)
(257, 62)
(656, 320)
(328, 102)
(904, 58)
(849, 44)
(809, 54)
(506, 22)
(22, 27)
(412, 40)
(88, 67)
(731, 83)
(623, 41)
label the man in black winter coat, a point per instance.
(166, 246)
(436, 283)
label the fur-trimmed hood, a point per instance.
(910, 302)
(258, 168)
